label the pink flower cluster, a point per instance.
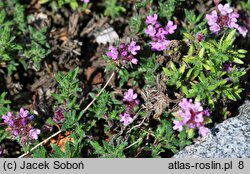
(85, 1)
(58, 115)
(191, 115)
(158, 33)
(224, 17)
(125, 52)
(20, 125)
(130, 101)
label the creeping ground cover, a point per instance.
(117, 78)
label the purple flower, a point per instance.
(133, 48)
(58, 116)
(226, 9)
(8, 118)
(23, 113)
(151, 19)
(228, 67)
(134, 61)
(203, 131)
(33, 133)
(206, 112)
(200, 37)
(170, 27)
(212, 17)
(20, 125)
(243, 31)
(85, 1)
(23, 121)
(199, 117)
(113, 53)
(122, 46)
(15, 133)
(191, 115)
(178, 125)
(232, 20)
(24, 139)
(129, 96)
(125, 118)
(158, 33)
(225, 18)
(31, 117)
(151, 31)
(125, 53)
(130, 101)
(161, 33)
(131, 59)
(160, 45)
(212, 21)
(215, 28)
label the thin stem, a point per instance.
(55, 134)
(133, 144)
(47, 139)
(87, 107)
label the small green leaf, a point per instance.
(171, 64)
(191, 50)
(189, 36)
(207, 67)
(184, 90)
(182, 68)
(242, 51)
(201, 52)
(166, 71)
(231, 36)
(236, 60)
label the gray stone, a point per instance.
(232, 140)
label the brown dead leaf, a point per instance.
(63, 139)
(93, 76)
(59, 140)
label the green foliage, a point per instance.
(68, 89)
(184, 139)
(245, 5)
(19, 42)
(167, 8)
(4, 108)
(165, 139)
(109, 150)
(57, 4)
(4, 104)
(143, 4)
(39, 152)
(67, 97)
(205, 78)
(146, 69)
(194, 23)
(144, 72)
(112, 9)
(106, 104)
(175, 74)
(136, 24)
